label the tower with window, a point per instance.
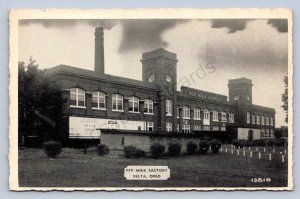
(240, 96)
(159, 68)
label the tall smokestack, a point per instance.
(99, 51)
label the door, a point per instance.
(250, 135)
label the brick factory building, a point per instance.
(96, 100)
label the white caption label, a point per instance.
(147, 172)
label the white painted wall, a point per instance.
(82, 127)
(243, 133)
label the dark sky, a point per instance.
(147, 32)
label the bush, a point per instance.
(102, 149)
(215, 146)
(52, 148)
(281, 142)
(258, 143)
(157, 150)
(132, 151)
(191, 147)
(269, 142)
(249, 143)
(203, 147)
(174, 149)
(239, 143)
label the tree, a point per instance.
(40, 102)
(284, 97)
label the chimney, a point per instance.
(99, 51)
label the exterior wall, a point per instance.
(211, 105)
(243, 134)
(83, 127)
(117, 141)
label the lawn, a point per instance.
(72, 168)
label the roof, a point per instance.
(71, 70)
(185, 89)
(160, 52)
(257, 108)
(242, 80)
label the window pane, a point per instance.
(80, 91)
(80, 103)
(73, 102)
(80, 97)
(120, 105)
(114, 104)
(73, 96)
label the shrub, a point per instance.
(140, 153)
(157, 150)
(249, 143)
(215, 146)
(132, 151)
(203, 147)
(269, 142)
(239, 143)
(52, 148)
(102, 149)
(174, 149)
(281, 142)
(258, 143)
(191, 147)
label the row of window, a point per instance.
(267, 133)
(77, 99)
(186, 128)
(257, 119)
(186, 114)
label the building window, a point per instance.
(169, 126)
(186, 112)
(215, 128)
(231, 118)
(197, 127)
(177, 127)
(267, 133)
(77, 97)
(272, 121)
(257, 119)
(215, 116)
(248, 117)
(223, 128)
(263, 133)
(206, 117)
(197, 114)
(134, 105)
(168, 107)
(98, 100)
(177, 112)
(262, 120)
(253, 119)
(271, 133)
(117, 102)
(223, 117)
(150, 126)
(148, 106)
(267, 120)
(186, 128)
(206, 128)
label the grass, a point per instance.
(72, 168)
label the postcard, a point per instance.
(150, 99)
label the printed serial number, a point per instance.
(261, 180)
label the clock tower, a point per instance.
(160, 68)
(240, 96)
